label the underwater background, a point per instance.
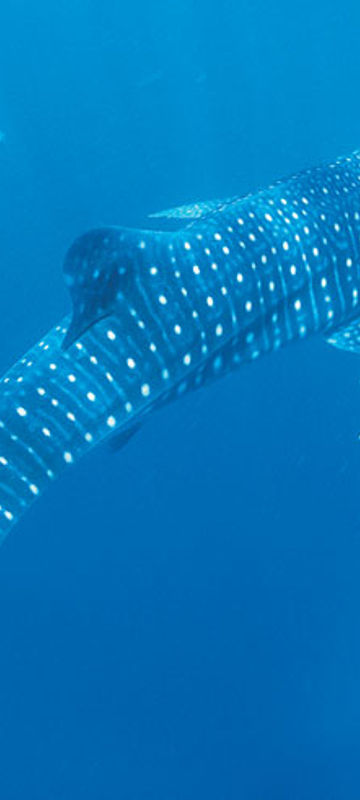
(180, 620)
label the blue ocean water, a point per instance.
(181, 619)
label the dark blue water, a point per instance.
(180, 620)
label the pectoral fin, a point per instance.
(193, 211)
(347, 338)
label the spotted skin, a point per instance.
(156, 314)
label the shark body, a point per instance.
(157, 314)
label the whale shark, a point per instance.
(158, 313)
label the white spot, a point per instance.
(131, 363)
(46, 432)
(226, 251)
(21, 411)
(145, 390)
(210, 301)
(187, 246)
(219, 330)
(68, 457)
(111, 422)
(33, 488)
(40, 391)
(111, 335)
(297, 305)
(187, 359)
(315, 251)
(323, 282)
(3, 461)
(88, 437)
(162, 300)
(91, 396)
(285, 245)
(71, 378)
(53, 366)
(196, 269)
(293, 269)
(128, 407)
(248, 305)
(349, 262)
(8, 515)
(71, 416)
(239, 277)
(177, 329)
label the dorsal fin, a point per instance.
(193, 211)
(99, 268)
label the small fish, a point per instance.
(158, 313)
